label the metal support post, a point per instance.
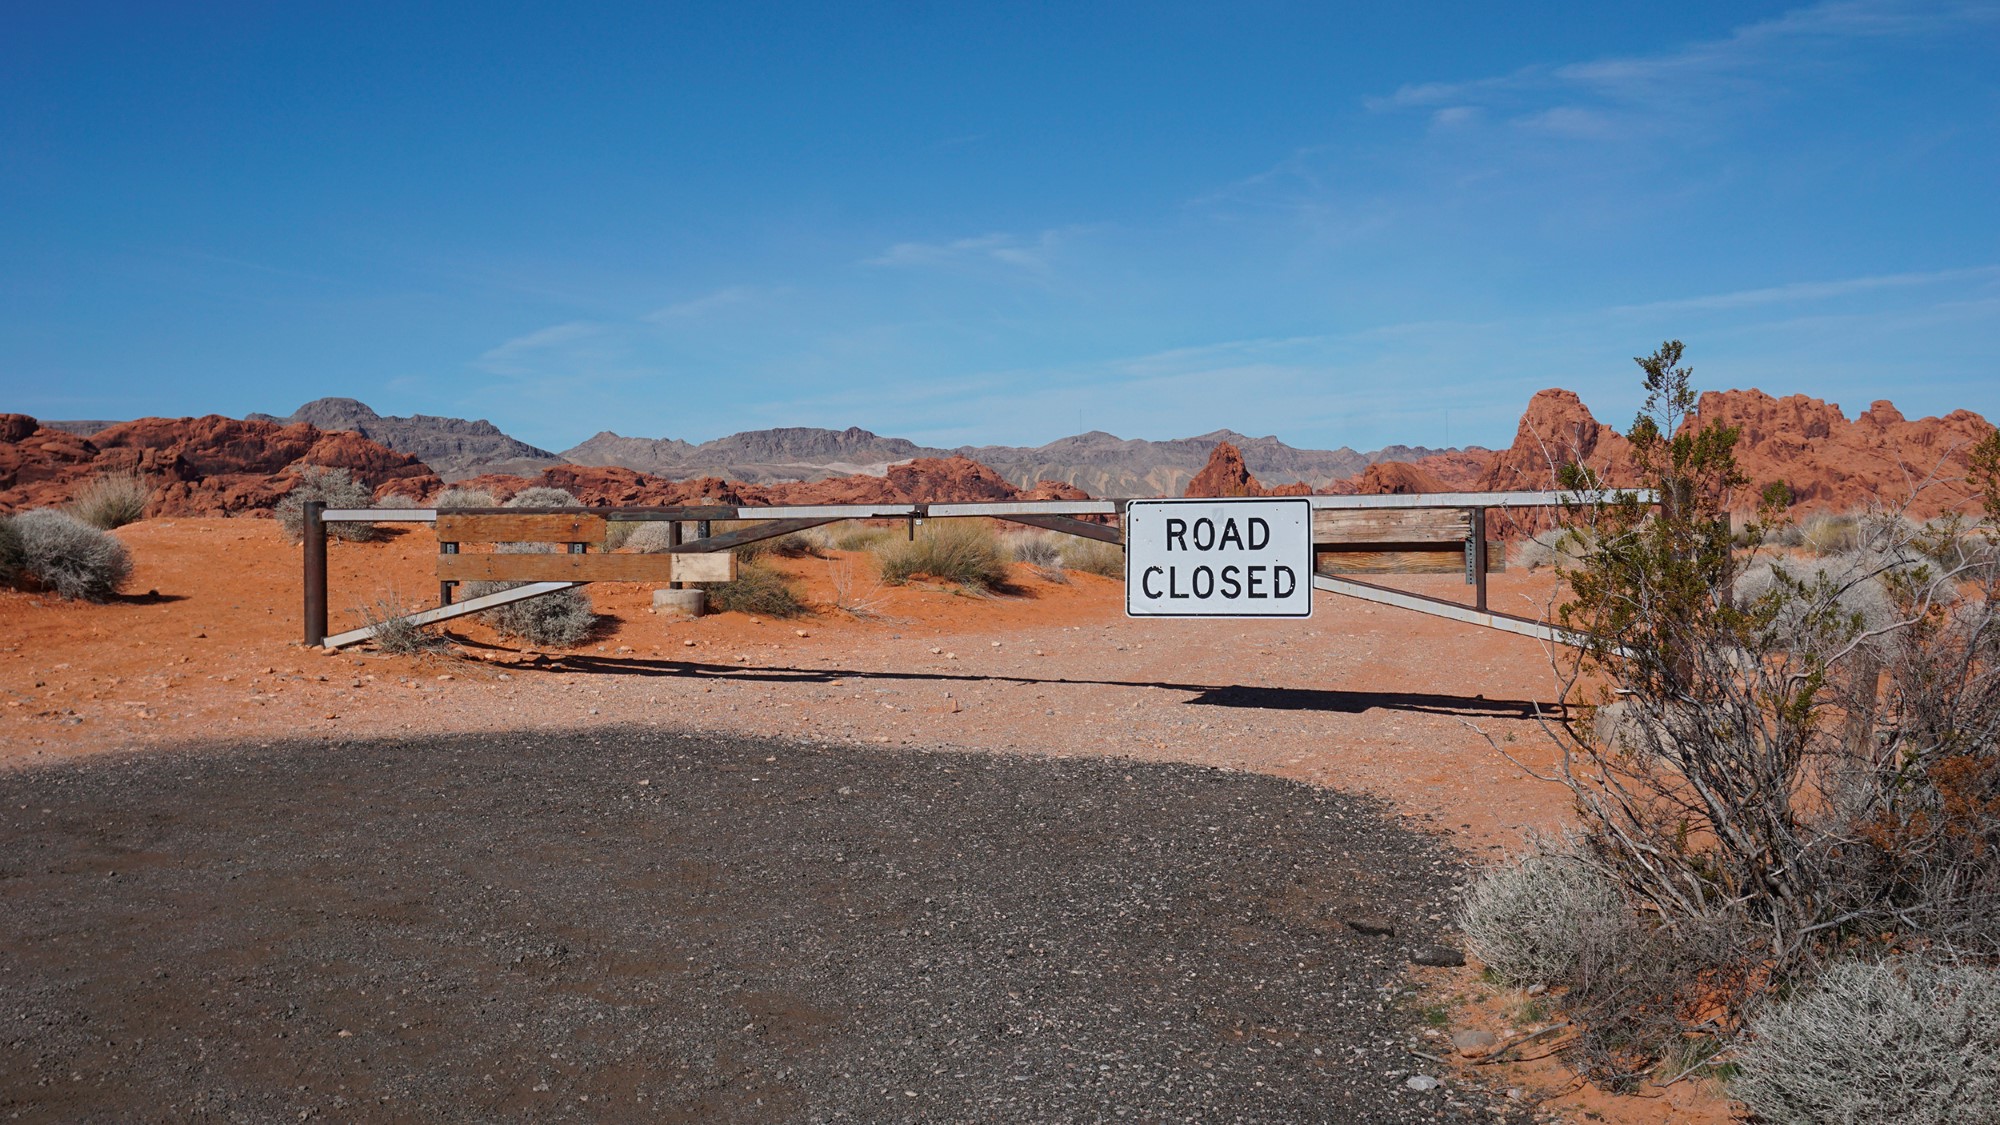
(315, 572)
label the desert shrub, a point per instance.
(393, 633)
(339, 489)
(111, 500)
(1805, 759)
(395, 502)
(651, 537)
(542, 496)
(1093, 556)
(69, 557)
(954, 550)
(556, 620)
(1907, 1042)
(757, 588)
(1039, 550)
(1554, 547)
(10, 550)
(465, 498)
(618, 533)
(1541, 917)
(1829, 534)
(857, 536)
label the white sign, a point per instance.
(1219, 558)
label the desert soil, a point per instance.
(1048, 689)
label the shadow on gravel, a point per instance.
(1207, 695)
(643, 925)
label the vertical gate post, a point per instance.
(674, 540)
(315, 576)
(1479, 557)
(445, 588)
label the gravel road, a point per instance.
(637, 924)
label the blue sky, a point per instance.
(994, 223)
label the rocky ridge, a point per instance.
(194, 466)
(453, 447)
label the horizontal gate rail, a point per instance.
(447, 612)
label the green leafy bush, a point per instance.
(69, 557)
(112, 500)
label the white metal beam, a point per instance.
(456, 609)
(1437, 607)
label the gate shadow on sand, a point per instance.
(1331, 700)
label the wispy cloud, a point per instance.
(515, 357)
(1808, 291)
(1672, 84)
(1011, 251)
(695, 308)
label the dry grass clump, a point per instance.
(964, 551)
(850, 536)
(456, 497)
(1830, 534)
(1905, 1042)
(1040, 550)
(393, 633)
(112, 500)
(339, 489)
(60, 553)
(757, 588)
(1093, 556)
(543, 496)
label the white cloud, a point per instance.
(697, 307)
(1809, 291)
(1002, 249)
(514, 357)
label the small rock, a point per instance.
(1421, 1083)
(1443, 956)
(801, 632)
(1370, 924)
(1537, 989)
(687, 644)
(1474, 1043)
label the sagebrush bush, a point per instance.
(558, 620)
(456, 497)
(68, 557)
(1541, 917)
(1555, 547)
(112, 500)
(757, 588)
(543, 496)
(651, 538)
(1092, 556)
(1036, 548)
(964, 551)
(1906, 1042)
(339, 489)
(394, 501)
(1826, 534)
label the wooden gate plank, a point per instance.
(580, 528)
(1406, 558)
(587, 568)
(1391, 525)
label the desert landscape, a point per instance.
(667, 761)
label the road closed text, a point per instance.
(1218, 558)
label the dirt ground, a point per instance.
(1417, 711)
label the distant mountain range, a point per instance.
(1099, 463)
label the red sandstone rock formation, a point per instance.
(1829, 462)
(1227, 475)
(194, 466)
(926, 478)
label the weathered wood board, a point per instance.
(1445, 558)
(718, 567)
(579, 528)
(1391, 525)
